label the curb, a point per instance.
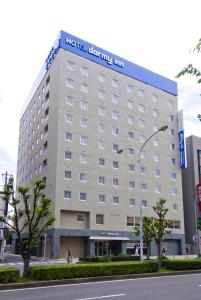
(34, 284)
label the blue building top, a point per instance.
(91, 52)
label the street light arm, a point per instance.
(163, 128)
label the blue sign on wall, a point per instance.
(182, 149)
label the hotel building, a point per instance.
(85, 105)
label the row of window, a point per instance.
(101, 144)
(115, 83)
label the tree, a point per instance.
(191, 70)
(199, 223)
(31, 216)
(160, 226)
(147, 233)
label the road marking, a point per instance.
(101, 297)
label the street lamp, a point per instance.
(162, 128)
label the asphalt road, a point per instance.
(185, 287)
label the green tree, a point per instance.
(199, 223)
(31, 216)
(191, 70)
(147, 233)
(160, 226)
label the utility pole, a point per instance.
(8, 179)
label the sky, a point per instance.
(155, 34)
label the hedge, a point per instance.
(107, 258)
(91, 270)
(183, 264)
(9, 275)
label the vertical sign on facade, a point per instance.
(182, 148)
(199, 196)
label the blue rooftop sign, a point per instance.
(89, 51)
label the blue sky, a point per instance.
(154, 34)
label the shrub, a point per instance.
(91, 270)
(183, 264)
(107, 258)
(9, 275)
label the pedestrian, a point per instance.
(187, 250)
(163, 252)
(68, 255)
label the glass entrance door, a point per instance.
(101, 248)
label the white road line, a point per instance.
(101, 297)
(199, 285)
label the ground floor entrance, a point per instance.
(103, 248)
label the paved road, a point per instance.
(186, 287)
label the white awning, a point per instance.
(109, 238)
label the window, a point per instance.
(131, 168)
(83, 159)
(83, 140)
(130, 135)
(101, 127)
(101, 180)
(154, 98)
(68, 155)
(172, 146)
(130, 151)
(115, 147)
(83, 196)
(102, 94)
(171, 118)
(101, 77)
(115, 130)
(142, 138)
(171, 131)
(143, 154)
(83, 104)
(131, 201)
(69, 136)
(101, 144)
(175, 206)
(84, 88)
(115, 82)
(130, 104)
(130, 89)
(130, 119)
(115, 114)
(157, 173)
(170, 104)
(99, 219)
(141, 123)
(131, 184)
(80, 217)
(83, 122)
(102, 110)
(70, 65)
(130, 221)
(173, 161)
(83, 177)
(67, 194)
(158, 188)
(67, 175)
(84, 71)
(115, 98)
(155, 127)
(144, 203)
(101, 162)
(115, 164)
(115, 200)
(142, 170)
(173, 176)
(115, 182)
(155, 113)
(68, 118)
(141, 108)
(143, 187)
(156, 157)
(141, 93)
(70, 83)
(156, 142)
(174, 191)
(101, 198)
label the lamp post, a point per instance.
(162, 128)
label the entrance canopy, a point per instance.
(108, 238)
